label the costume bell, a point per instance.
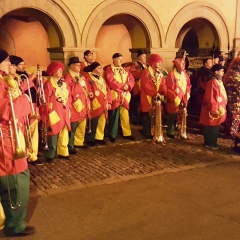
(120, 82)
(56, 112)
(100, 101)
(152, 82)
(80, 104)
(213, 111)
(178, 93)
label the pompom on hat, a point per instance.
(154, 58)
(91, 67)
(15, 59)
(3, 55)
(53, 67)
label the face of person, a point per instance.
(89, 57)
(12, 69)
(4, 65)
(75, 67)
(142, 58)
(220, 72)
(98, 70)
(21, 67)
(209, 64)
(58, 74)
(157, 65)
(117, 62)
(215, 60)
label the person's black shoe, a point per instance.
(36, 162)
(131, 138)
(29, 230)
(112, 139)
(100, 142)
(49, 160)
(63, 157)
(91, 143)
(170, 136)
(72, 151)
(82, 146)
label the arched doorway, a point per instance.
(198, 36)
(30, 33)
(127, 33)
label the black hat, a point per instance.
(91, 67)
(140, 52)
(73, 60)
(116, 55)
(87, 52)
(181, 53)
(217, 67)
(3, 55)
(15, 59)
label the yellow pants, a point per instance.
(124, 121)
(80, 133)
(100, 127)
(2, 217)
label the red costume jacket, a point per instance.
(136, 70)
(178, 90)
(21, 108)
(57, 109)
(79, 97)
(149, 87)
(101, 96)
(116, 78)
(215, 98)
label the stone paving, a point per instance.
(125, 160)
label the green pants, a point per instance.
(146, 124)
(94, 124)
(113, 121)
(74, 126)
(171, 123)
(210, 134)
(15, 219)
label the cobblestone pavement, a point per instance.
(125, 160)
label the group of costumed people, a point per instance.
(74, 109)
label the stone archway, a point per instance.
(203, 10)
(109, 8)
(56, 10)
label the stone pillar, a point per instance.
(236, 40)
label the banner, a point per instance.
(195, 62)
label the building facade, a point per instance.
(41, 31)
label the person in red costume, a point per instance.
(136, 70)
(213, 111)
(88, 59)
(178, 93)
(15, 219)
(152, 82)
(56, 112)
(120, 82)
(100, 102)
(80, 105)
